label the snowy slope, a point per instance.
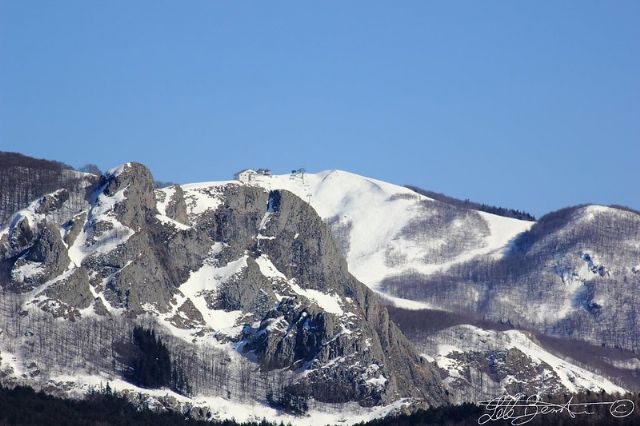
(385, 231)
(371, 218)
(482, 362)
(207, 281)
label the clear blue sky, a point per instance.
(528, 104)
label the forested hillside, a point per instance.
(472, 205)
(23, 179)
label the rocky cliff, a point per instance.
(255, 269)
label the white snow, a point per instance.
(240, 410)
(208, 279)
(88, 243)
(375, 212)
(373, 377)
(202, 197)
(329, 302)
(27, 269)
(163, 197)
(9, 360)
(268, 269)
(591, 211)
(411, 305)
(117, 171)
(265, 220)
(502, 231)
(466, 338)
(28, 215)
(627, 364)
(168, 221)
(573, 377)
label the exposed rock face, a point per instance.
(68, 295)
(19, 236)
(259, 271)
(284, 230)
(73, 227)
(49, 248)
(45, 259)
(477, 363)
(176, 207)
(51, 202)
(287, 282)
(136, 183)
(250, 291)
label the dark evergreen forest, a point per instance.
(24, 406)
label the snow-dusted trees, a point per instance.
(23, 179)
(575, 273)
(47, 348)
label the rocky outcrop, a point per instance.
(133, 182)
(176, 207)
(301, 308)
(249, 291)
(53, 201)
(19, 236)
(50, 250)
(73, 227)
(357, 354)
(46, 259)
(67, 296)
(73, 290)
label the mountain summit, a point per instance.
(279, 294)
(256, 272)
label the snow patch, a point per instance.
(168, 221)
(207, 280)
(467, 338)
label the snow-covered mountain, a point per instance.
(23, 179)
(573, 274)
(387, 230)
(252, 278)
(269, 292)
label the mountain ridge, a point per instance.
(272, 269)
(301, 309)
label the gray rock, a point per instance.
(250, 291)
(99, 307)
(176, 207)
(338, 353)
(51, 202)
(49, 252)
(73, 291)
(309, 339)
(73, 228)
(137, 183)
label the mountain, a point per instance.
(278, 295)
(23, 179)
(387, 231)
(246, 288)
(573, 274)
(467, 204)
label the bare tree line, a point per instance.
(23, 179)
(47, 347)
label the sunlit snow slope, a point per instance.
(388, 230)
